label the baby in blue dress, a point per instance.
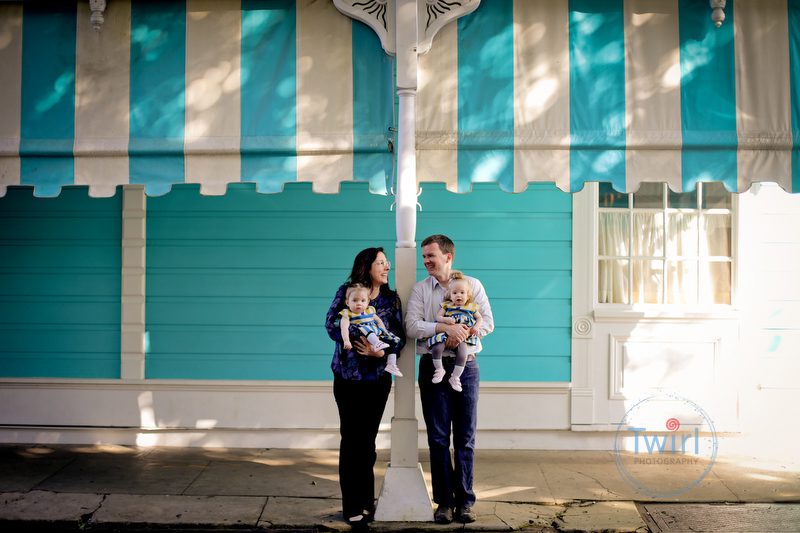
(360, 318)
(458, 307)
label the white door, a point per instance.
(654, 302)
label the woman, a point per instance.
(361, 386)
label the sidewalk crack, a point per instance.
(88, 519)
(261, 514)
(42, 481)
(599, 483)
(192, 482)
(558, 523)
(494, 512)
(738, 498)
(547, 483)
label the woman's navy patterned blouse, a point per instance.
(349, 364)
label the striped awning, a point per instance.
(276, 91)
(193, 91)
(610, 90)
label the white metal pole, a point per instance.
(404, 495)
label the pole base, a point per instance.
(404, 496)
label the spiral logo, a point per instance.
(688, 450)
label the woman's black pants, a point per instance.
(361, 405)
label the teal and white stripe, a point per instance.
(201, 91)
(622, 91)
(277, 91)
(794, 73)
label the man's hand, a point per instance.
(456, 334)
(365, 348)
(451, 343)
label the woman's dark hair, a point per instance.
(362, 265)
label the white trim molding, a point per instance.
(243, 413)
(619, 358)
(583, 293)
(134, 246)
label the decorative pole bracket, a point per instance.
(432, 16)
(97, 8)
(717, 11)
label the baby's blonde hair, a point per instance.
(355, 287)
(457, 275)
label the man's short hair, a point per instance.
(444, 242)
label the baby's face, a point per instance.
(459, 292)
(358, 301)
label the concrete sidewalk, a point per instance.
(126, 488)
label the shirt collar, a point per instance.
(435, 283)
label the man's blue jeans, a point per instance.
(444, 410)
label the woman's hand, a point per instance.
(365, 348)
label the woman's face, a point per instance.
(379, 271)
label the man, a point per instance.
(443, 408)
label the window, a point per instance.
(656, 246)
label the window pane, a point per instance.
(613, 234)
(608, 197)
(648, 234)
(682, 200)
(716, 239)
(681, 234)
(612, 286)
(647, 282)
(681, 282)
(649, 195)
(716, 282)
(715, 196)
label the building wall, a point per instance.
(59, 285)
(237, 287)
(770, 307)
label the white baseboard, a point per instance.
(298, 439)
(279, 414)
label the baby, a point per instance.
(458, 307)
(362, 318)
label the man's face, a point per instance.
(437, 263)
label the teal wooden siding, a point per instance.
(60, 266)
(520, 247)
(238, 285)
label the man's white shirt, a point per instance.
(424, 304)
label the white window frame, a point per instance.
(663, 310)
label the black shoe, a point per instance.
(443, 515)
(358, 523)
(465, 514)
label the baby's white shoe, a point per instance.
(455, 383)
(394, 370)
(438, 375)
(380, 345)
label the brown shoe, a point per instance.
(443, 515)
(465, 514)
